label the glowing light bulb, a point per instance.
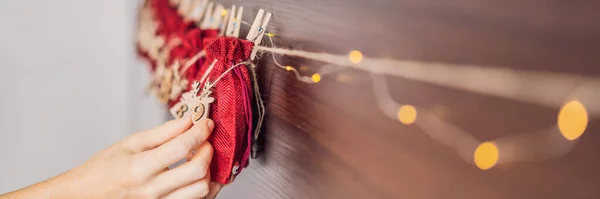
(270, 34)
(288, 68)
(572, 120)
(355, 56)
(407, 114)
(486, 155)
(316, 78)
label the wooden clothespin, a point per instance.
(224, 22)
(207, 18)
(233, 24)
(217, 17)
(258, 29)
(184, 7)
(198, 10)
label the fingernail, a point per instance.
(210, 124)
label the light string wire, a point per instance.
(542, 88)
(538, 145)
(289, 68)
(485, 155)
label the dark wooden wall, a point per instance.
(329, 140)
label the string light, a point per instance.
(316, 78)
(305, 79)
(355, 56)
(486, 155)
(572, 120)
(407, 114)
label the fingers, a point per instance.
(151, 138)
(196, 190)
(178, 147)
(214, 189)
(196, 169)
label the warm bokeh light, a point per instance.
(223, 12)
(572, 120)
(407, 114)
(270, 34)
(486, 155)
(288, 68)
(355, 56)
(316, 77)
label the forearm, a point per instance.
(136, 168)
(57, 187)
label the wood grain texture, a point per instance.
(329, 140)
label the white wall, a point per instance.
(70, 85)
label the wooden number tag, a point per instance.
(191, 102)
(182, 108)
(201, 104)
(179, 110)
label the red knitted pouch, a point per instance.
(191, 44)
(169, 24)
(231, 110)
(169, 21)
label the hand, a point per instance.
(137, 167)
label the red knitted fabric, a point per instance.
(230, 110)
(191, 44)
(169, 21)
